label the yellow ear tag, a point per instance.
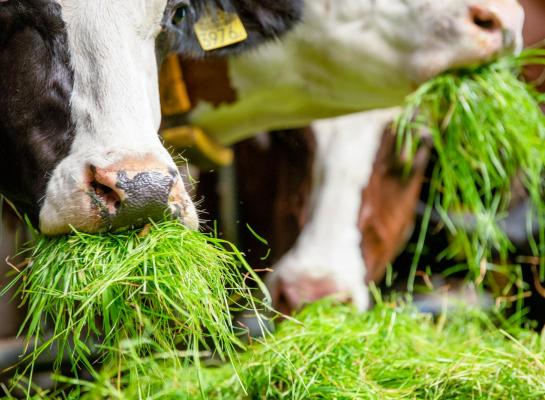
(219, 30)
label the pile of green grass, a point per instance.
(487, 129)
(333, 352)
(155, 304)
(162, 291)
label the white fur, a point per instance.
(115, 101)
(328, 248)
(351, 56)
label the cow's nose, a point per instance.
(134, 190)
(501, 20)
(292, 296)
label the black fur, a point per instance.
(35, 87)
(263, 19)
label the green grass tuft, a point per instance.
(168, 291)
(391, 352)
(487, 130)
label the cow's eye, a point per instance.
(179, 14)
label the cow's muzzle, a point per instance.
(127, 193)
(127, 196)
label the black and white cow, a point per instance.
(79, 104)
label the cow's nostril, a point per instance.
(485, 19)
(107, 196)
(486, 24)
(100, 189)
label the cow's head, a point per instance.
(451, 33)
(417, 39)
(361, 213)
(79, 104)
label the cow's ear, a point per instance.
(188, 24)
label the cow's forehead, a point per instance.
(142, 14)
(136, 5)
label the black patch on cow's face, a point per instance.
(263, 20)
(36, 82)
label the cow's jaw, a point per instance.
(327, 259)
(115, 109)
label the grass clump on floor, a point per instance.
(487, 131)
(391, 352)
(164, 290)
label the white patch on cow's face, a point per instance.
(115, 103)
(328, 249)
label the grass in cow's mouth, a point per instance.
(391, 352)
(487, 131)
(166, 289)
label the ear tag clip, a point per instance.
(219, 30)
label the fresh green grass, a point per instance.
(163, 290)
(487, 129)
(333, 352)
(157, 304)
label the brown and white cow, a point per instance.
(356, 213)
(79, 104)
(340, 248)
